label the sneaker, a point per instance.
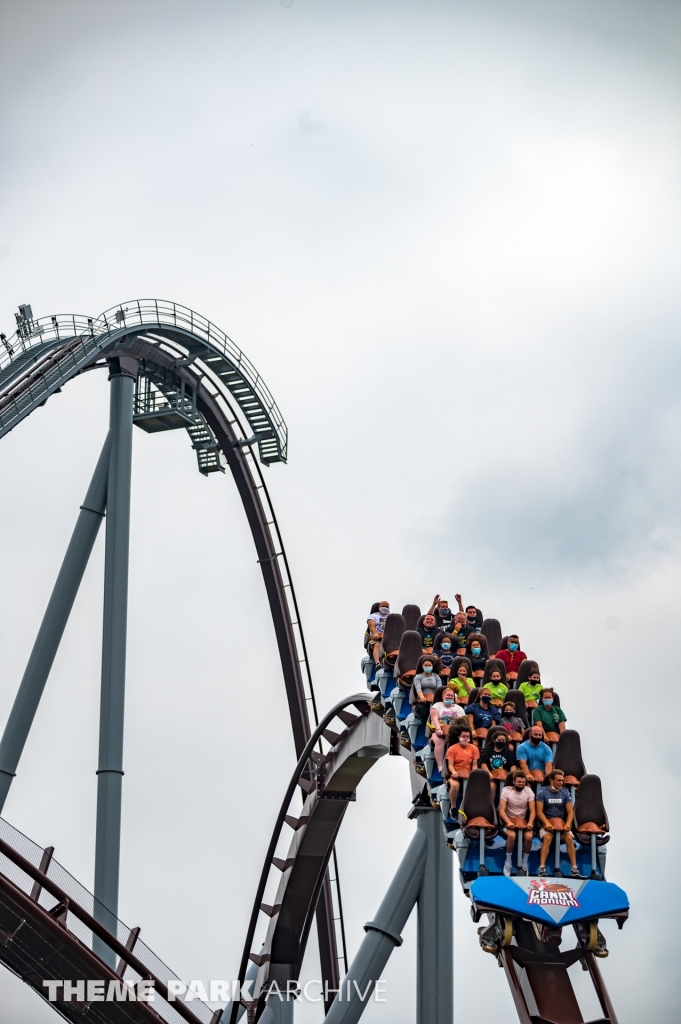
(521, 871)
(574, 872)
(507, 870)
(542, 871)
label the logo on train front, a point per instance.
(543, 893)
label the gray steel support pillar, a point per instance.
(110, 770)
(382, 935)
(435, 950)
(279, 1011)
(54, 622)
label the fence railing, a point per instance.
(247, 386)
(16, 848)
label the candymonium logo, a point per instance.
(551, 894)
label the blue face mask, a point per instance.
(513, 647)
(475, 651)
(448, 701)
(427, 668)
(547, 703)
(446, 647)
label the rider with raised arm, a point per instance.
(442, 612)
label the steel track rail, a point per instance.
(42, 359)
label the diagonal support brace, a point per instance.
(383, 934)
(54, 623)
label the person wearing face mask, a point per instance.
(461, 682)
(494, 679)
(531, 690)
(376, 625)
(461, 758)
(426, 682)
(476, 652)
(442, 612)
(512, 657)
(550, 717)
(535, 757)
(517, 812)
(513, 725)
(443, 714)
(428, 629)
(473, 615)
(482, 715)
(443, 650)
(497, 756)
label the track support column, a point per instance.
(435, 953)
(110, 770)
(382, 935)
(54, 623)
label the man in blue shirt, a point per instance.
(534, 757)
(555, 812)
(482, 715)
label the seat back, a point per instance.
(410, 652)
(411, 614)
(473, 696)
(392, 632)
(491, 630)
(589, 806)
(569, 755)
(526, 669)
(556, 699)
(518, 699)
(477, 801)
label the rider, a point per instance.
(531, 690)
(428, 630)
(517, 811)
(497, 756)
(443, 714)
(555, 813)
(476, 652)
(426, 682)
(461, 758)
(512, 656)
(535, 758)
(549, 716)
(513, 725)
(481, 715)
(442, 612)
(461, 681)
(376, 625)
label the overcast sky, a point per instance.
(447, 235)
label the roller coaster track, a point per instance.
(189, 375)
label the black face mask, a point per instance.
(508, 714)
(484, 700)
(534, 742)
(499, 744)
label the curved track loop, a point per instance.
(328, 782)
